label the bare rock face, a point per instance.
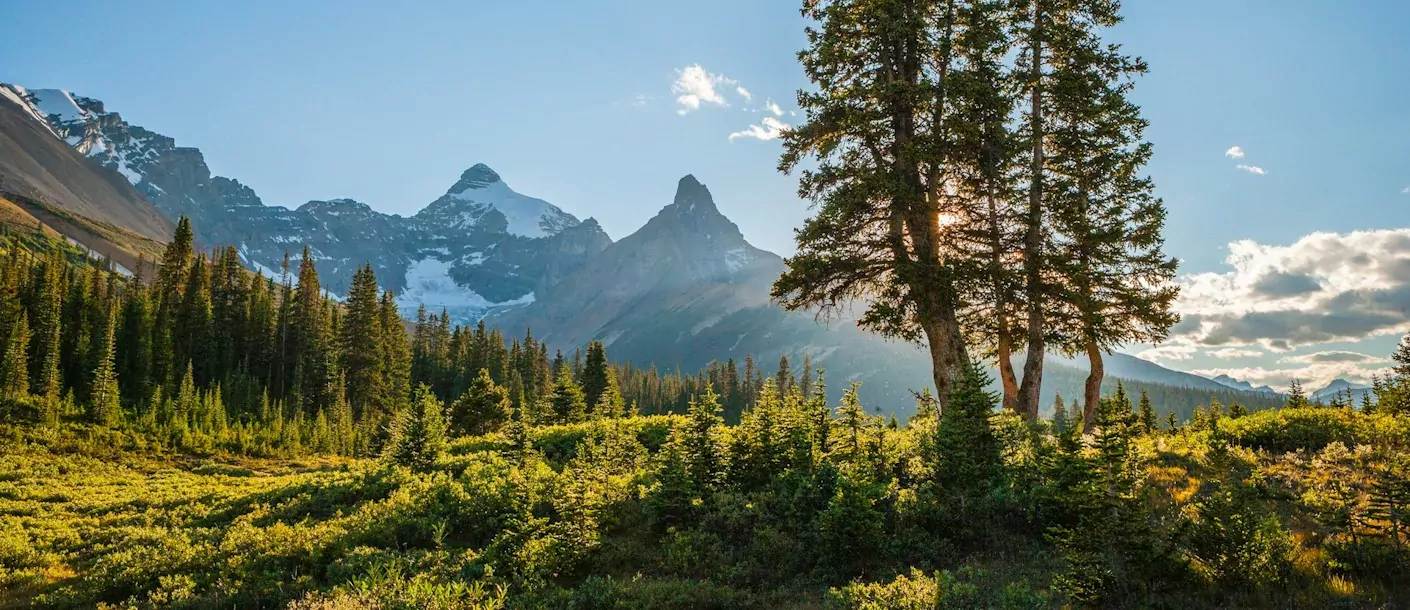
(479, 246)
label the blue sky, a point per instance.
(573, 102)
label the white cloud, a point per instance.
(1325, 287)
(697, 87)
(744, 93)
(1252, 169)
(1405, 191)
(1234, 153)
(1229, 353)
(1169, 352)
(772, 107)
(768, 129)
(641, 100)
(1332, 357)
(1313, 377)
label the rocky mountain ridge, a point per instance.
(478, 246)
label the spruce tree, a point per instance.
(192, 338)
(784, 379)
(1117, 283)
(396, 355)
(312, 336)
(856, 426)
(171, 280)
(362, 345)
(700, 442)
(595, 372)
(14, 369)
(419, 434)
(105, 405)
(45, 345)
(483, 408)
(610, 402)
(1061, 423)
(966, 457)
(1297, 399)
(1147, 414)
(566, 401)
(875, 122)
(1402, 357)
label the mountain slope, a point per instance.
(478, 246)
(1242, 385)
(1126, 366)
(687, 289)
(1342, 387)
(35, 164)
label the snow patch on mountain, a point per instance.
(527, 216)
(57, 102)
(428, 282)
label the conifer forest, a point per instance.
(194, 433)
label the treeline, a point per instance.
(199, 353)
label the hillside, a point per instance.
(56, 184)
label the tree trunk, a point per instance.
(1032, 388)
(1006, 374)
(1093, 387)
(947, 352)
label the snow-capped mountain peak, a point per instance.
(479, 191)
(57, 105)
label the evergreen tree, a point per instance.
(1147, 414)
(14, 369)
(967, 461)
(46, 345)
(1117, 283)
(483, 408)
(396, 356)
(1297, 399)
(1401, 357)
(784, 379)
(595, 373)
(874, 125)
(362, 345)
(312, 337)
(700, 443)
(567, 401)
(171, 280)
(342, 426)
(192, 338)
(1061, 423)
(856, 426)
(610, 402)
(105, 405)
(135, 340)
(419, 435)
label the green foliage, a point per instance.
(484, 407)
(418, 438)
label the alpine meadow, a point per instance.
(942, 394)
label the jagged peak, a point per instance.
(692, 197)
(478, 176)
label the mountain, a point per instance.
(1228, 381)
(1126, 366)
(480, 245)
(687, 288)
(684, 290)
(1341, 387)
(52, 182)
